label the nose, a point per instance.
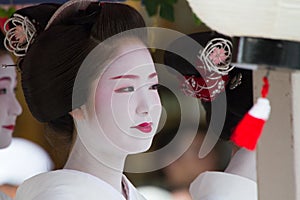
(142, 107)
(143, 104)
(15, 108)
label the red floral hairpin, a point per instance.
(205, 89)
(213, 65)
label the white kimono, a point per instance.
(72, 185)
(223, 186)
(238, 182)
(21, 160)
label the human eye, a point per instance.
(125, 89)
(3, 91)
(154, 87)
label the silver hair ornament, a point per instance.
(18, 38)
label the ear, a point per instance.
(77, 114)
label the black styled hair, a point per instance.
(238, 100)
(186, 48)
(2, 48)
(52, 62)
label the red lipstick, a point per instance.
(9, 127)
(145, 127)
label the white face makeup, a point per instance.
(9, 106)
(124, 107)
(127, 103)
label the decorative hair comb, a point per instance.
(213, 65)
(18, 38)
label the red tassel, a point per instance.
(249, 129)
(248, 132)
(265, 89)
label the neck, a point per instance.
(107, 165)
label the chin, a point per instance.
(140, 146)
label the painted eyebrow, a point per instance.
(152, 75)
(125, 76)
(132, 76)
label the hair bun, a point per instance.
(67, 10)
(2, 39)
(40, 14)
